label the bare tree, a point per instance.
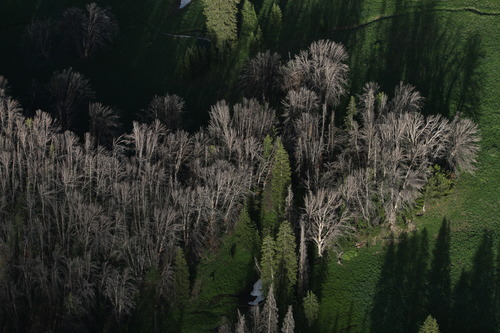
(4, 86)
(325, 218)
(241, 326)
(320, 68)
(252, 119)
(70, 92)
(168, 109)
(463, 145)
(39, 34)
(89, 31)
(288, 322)
(297, 102)
(104, 123)
(100, 29)
(120, 289)
(269, 319)
(309, 148)
(260, 76)
(303, 276)
(72, 25)
(220, 129)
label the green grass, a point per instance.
(221, 286)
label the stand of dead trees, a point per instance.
(83, 224)
(84, 32)
(85, 219)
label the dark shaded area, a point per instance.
(425, 48)
(474, 308)
(412, 285)
(399, 304)
(307, 21)
(440, 280)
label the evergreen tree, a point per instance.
(430, 325)
(268, 264)
(276, 190)
(269, 319)
(274, 25)
(249, 22)
(268, 147)
(181, 278)
(288, 322)
(287, 261)
(311, 307)
(221, 20)
(245, 231)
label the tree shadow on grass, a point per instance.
(307, 21)
(399, 303)
(474, 306)
(426, 48)
(411, 287)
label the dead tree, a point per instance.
(320, 68)
(89, 31)
(104, 123)
(70, 93)
(39, 34)
(260, 76)
(168, 109)
(325, 218)
(463, 145)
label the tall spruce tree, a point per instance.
(287, 262)
(246, 231)
(249, 21)
(311, 307)
(430, 325)
(268, 263)
(276, 190)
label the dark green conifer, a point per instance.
(287, 261)
(276, 190)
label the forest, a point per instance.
(249, 166)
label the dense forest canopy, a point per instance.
(108, 217)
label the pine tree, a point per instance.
(430, 325)
(181, 279)
(268, 264)
(288, 322)
(311, 307)
(269, 319)
(287, 261)
(276, 190)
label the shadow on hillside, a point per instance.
(425, 48)
(307, 21)
(413, 285)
